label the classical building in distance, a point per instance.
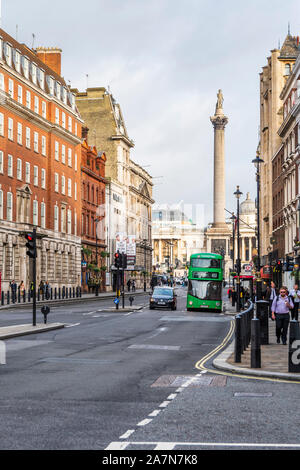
(175, 238)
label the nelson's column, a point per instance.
(218, 233)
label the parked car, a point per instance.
(163, 297)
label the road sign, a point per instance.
(116, 301)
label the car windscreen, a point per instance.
(166, 292)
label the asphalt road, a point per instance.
(128, 380)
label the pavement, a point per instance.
(14, 331)
(274, 357)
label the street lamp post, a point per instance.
(238, 194)
(233, 219)
(257, 161)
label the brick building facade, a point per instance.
(93, 235)
(40, 158)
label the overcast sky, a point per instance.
(164, 61)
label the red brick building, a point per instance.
(40, 159)
(93, 216)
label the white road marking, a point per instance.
(154, 413)
(117, 446)
(179, 390)
(144, 422)
(74, 324)
(89, 313)
(154, 347)
(172, 396)
(165, 446)
(172, 445)
(127, 434)
(164, 404)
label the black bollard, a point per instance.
(294, 347)
(70, 292)
(55, 293)
(51, 293)
(7, 297)
(255, 344)
(29, 295)
(66, 293)
(59, 293)
(73, 292)
(24, 295)
(19, 296)
(238, 339)
(45, 311)
(2, 298)
(262, 311)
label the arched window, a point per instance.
(287, 69)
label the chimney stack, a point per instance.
(51, 56)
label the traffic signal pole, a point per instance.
(34, 282)
(32, 253)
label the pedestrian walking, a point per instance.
(281, 306)
(47, 290)
(128, 284)
(13, 286)
(271, 293)
(41, 287)
(133, 285)
(295, 294)
(21, 288)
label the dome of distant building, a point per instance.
(247, 206)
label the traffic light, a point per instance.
(124, 261)
(31, 245)
(118, 260)
(289, 263)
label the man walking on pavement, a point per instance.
(281, 306)
(271, 294)
(295, 294)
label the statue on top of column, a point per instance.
(220, 101)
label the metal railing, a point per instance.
(243, 331)
(60, 293)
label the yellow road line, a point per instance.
(200, 365)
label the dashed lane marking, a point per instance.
(71, 325)
(154, 413)
(127, 434)
(144, 422)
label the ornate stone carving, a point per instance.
(219, 122)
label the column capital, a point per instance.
(219, 121)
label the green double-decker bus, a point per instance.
(205, 281)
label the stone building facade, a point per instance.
(40, 140)
(129, 188)
(272, 80)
